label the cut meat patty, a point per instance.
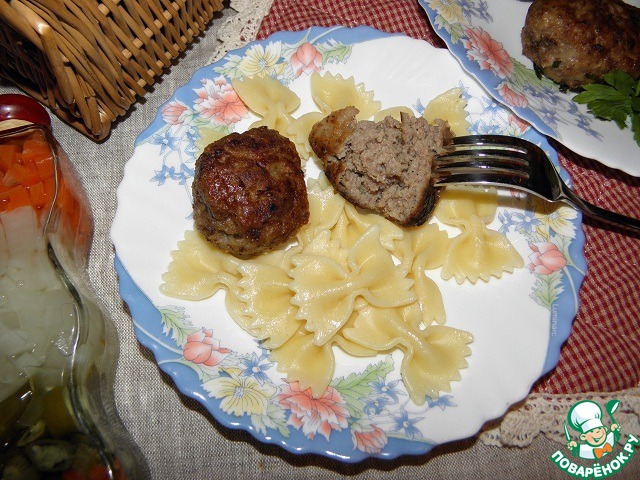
(382, 166)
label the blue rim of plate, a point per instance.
(486, 78)
(148, 326)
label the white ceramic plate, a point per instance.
(485, 38)
(519, 322)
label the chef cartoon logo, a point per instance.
(595, 439)
(592, 435)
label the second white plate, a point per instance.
(485, 38)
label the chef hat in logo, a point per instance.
(585, 415)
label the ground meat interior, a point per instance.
(383, 166)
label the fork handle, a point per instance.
(598, 213)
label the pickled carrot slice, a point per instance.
(14, 175)
(7, 156)
(32, 176)
(34, 148)
(45, 166)
(13, 198)
(39, 197)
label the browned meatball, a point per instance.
(382, 166)
(577, 43)
(249, 192)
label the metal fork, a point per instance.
(511, 162)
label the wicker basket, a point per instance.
(89, 60)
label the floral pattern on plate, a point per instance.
(490, 49)
(366, 410)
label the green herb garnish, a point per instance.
(617, 100)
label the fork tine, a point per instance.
(488, 157)
(504, 142)
(463, 163)
(479, 167)
(495, 177)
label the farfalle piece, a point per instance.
(479, 253)
(298, 132)
(460, 203)
(430, 365)
(449, 106)
(353, 224)
(301, 360)
(333, 92)
(268, 312)
(269, 99)
(433, 356)
(198, 269)
(326, 207)
(326, 290)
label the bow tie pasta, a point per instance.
(449, 106)
(333, 92)
(352, 280)
(275, 104)
(433, 355)
(269, 99)
(326, 290)
(477, 252)
(198, 269)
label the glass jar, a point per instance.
(57, 349)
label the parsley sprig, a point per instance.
(617, 100)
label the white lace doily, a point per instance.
(241, 28)
(546, 414)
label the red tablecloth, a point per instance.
(603, 352)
